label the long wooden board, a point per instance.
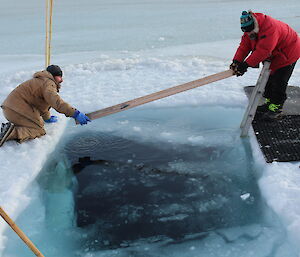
(158, 95)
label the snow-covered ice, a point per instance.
(113, 51)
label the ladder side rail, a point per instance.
(255, 99)
(257, 90)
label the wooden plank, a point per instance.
(158, 95)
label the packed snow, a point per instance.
(114, 51)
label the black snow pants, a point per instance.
(277, 83)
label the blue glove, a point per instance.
(52, 119)
(81, 117)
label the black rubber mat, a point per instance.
(279, 140)
(292, 103)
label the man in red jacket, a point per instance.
(266, 38)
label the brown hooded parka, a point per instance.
(28, 105)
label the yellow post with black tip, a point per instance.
(20, 233)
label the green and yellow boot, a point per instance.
(265, 107)
(274, 112)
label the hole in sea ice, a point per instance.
(179, 178)
(129, 191)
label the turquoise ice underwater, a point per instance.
(116, 51)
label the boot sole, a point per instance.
(274, 118)
(7, 134)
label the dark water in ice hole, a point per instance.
(129, 190)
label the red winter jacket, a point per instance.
(276, 41)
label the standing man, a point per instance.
(266, 38)
(27, 106)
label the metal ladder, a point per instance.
(256, 96)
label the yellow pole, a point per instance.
(49, 11)
(47, 34)
(50, 31)
(20, 233)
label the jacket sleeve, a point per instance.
(46, 115)
(55, 101)
(264, 47)
(243, 49)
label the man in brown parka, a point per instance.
(27, 106)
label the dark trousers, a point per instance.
(277, 83)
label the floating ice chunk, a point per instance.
(245, 196)
(214, 204)
(175, 217)
(166, 134)
(196, 139)
(234, 233)
(124, 122)
(138, 129)
(171, 209)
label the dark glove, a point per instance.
(52, 119)
(234, 65)
(241, 69)
(81, 117)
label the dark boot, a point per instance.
(263, 108)
(6, 129)
(274, 112)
